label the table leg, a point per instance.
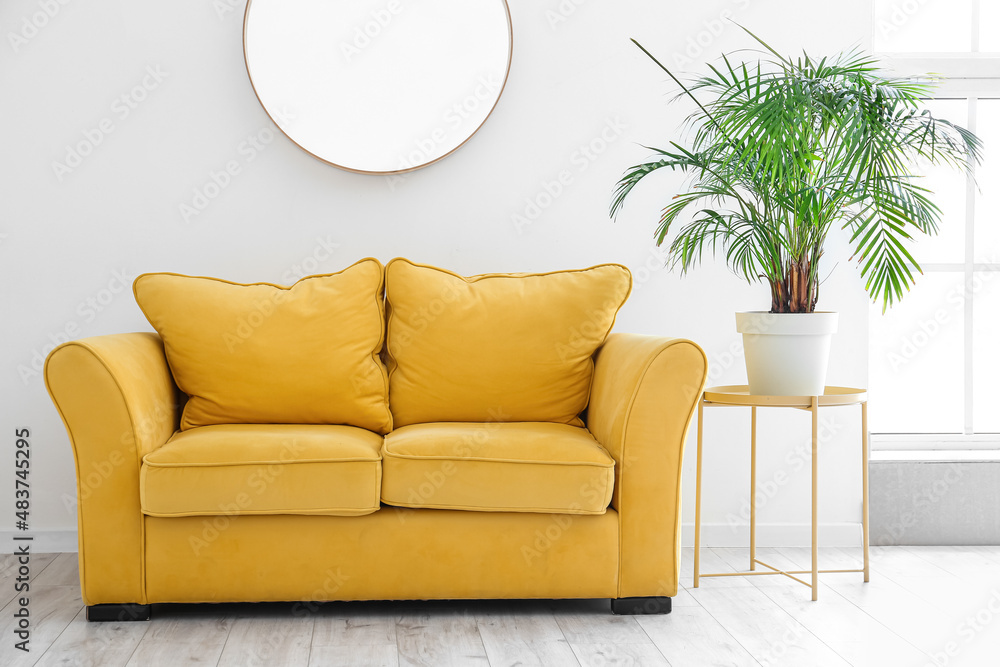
(697, 495)
(815, 496)
(864, 480)
(753, 488)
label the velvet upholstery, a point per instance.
(571, 510)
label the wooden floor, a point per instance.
(924, 606)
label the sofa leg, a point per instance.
(634, 606)
(118, 612)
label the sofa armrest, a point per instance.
(118, 401)
(645, 392)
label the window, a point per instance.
(934, 363)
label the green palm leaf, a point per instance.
(783, 149)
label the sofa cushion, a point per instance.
(496, 347)
(492, 467)
(263, 469)
(266, 354)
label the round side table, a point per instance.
(740, 396)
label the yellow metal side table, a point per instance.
(739, 395)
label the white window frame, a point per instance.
(972, 76)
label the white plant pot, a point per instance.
(786, 353)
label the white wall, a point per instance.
(575, 81)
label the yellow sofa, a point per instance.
(383, 433)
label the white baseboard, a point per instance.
(773, 535)
(43, 541)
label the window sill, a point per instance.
(937, 456)
(934, 442)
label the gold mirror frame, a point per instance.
(492, 107)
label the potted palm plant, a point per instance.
(781, 150)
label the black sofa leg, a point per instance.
(634, 606)
(118, 612)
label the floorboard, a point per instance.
(523, 635)
(9, 567)
(354, 624)
(972, 565)
(362, 655)
(762, 627)
(85, 644)
(924, 607)
(601, 627)
(63, 570)
(924, 625)
(691, 637)
(51, 609)
(268, 635)
(440, 637)
(192, 635)
(843, 626)
(619, 655)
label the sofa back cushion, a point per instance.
(496, 347)
(267, 354)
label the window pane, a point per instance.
(987, 177)
(948, 187)
(915, 368)
(923, 26)
(986, 352)
(989, 25)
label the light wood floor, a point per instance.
(924, 606)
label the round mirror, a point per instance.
(378, 86)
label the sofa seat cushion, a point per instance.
(263, 469)
(497, 467)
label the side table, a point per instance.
(739, 395)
